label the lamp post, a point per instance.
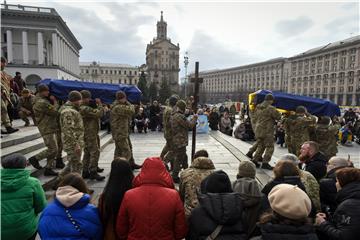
(186, 62)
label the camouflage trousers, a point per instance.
(52, 149)
(5, 120)
(253, 147)
(289, 144)
(180, 160)
(123, 148)
(74, 164)
(24, 116)
(167, 154)
(91, 153)
(266, 147)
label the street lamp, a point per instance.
(186, 62)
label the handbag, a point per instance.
(215, 233)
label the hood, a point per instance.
(350, 190)
(223, 208)
(68, 195)
(248, 190)
(202, 163)
(13, 179)
(216, 182)
(154, 172)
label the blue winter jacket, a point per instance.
(55, 224)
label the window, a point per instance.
(106, 71)
(102, 72)
(87, 71)
(130, 73)
(124, 72)
(110, 71)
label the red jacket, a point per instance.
(153, 208)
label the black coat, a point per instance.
(214, 120)
(317, 166)
(270, 231)
(217, 209)
(345, 223)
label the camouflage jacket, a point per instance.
(190, 180)
(72, 127)
(46, 115)
(91, 119)
(312, 187)
(266, 115)
(5, 82)
(120, 117)
(180, 127)
(300, 127)
(166, 121)
(26, 103)
(326, 138)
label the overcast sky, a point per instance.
(216, 34)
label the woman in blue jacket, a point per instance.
(70, 215)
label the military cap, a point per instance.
(43, 88)
(74, 96)
(25, 91)
(120, 94)
(300, 109)
(269, 97)
(181, 104)
(324, 120)
(85, 94)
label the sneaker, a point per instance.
(85, 174)
(34, 162)
(11, 130)
(96, 176)
(99, 170)
(249, 155)
(266, 166)
(50, 172)
(59, 163)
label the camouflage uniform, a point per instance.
(72, 133)
(180, 127)
(46, 115)
(120, 117)
(287, 126)
(167, 154)
(312, 188)
(300, 131)
(266, 114)
(190, 180)
(252, 114)
(5, 96)
(27, 103)
(325, 136)
(91, 118)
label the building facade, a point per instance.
(109, 73)
(37, 42)
(162, 58)
(329, 72)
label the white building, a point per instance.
(109, 73)
(37, 42)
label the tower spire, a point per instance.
(161, 18)
(161, 28)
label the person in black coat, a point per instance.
(154, 115)
(313, 160)
(218, 205)
(328, 189)
(214, 119)
(345, 222)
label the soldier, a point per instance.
(300, 126)
(252, 115)
(180, 127)
(120, 117)
(166, 154)
(266, 115)
(46, 115)
(26, 102)
(326, 136)
(91, 112)
(288, 121)
(5, 99)
(72, 132)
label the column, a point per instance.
(25, 47)
(40, 48)
(61, 52)
(58, 50)
(54, 49)
(9, 46)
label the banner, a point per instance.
(202, 125)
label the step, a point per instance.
(28, 134)
(23, 148)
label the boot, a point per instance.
(11, 130)
(256, 164)
(34, 162)
(59, 163)
(176, 179)
(85, 174)
(249, 154)
(27, 122)
(136, 166)
(99, 170)
(266, 166)
(94, 175)
(50, 172)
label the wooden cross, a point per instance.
(196, 80)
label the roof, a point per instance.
(113, 65)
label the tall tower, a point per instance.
(161, 28)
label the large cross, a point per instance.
(196, 80)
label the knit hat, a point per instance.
(15, 160)
(290, 201)
(181, 104)
(120, 95)
(269, 97)
(85, 94)
(74, 96)
(43, 88)
(217, 182)
(247, 169)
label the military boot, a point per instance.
(85, 174)
(11, 130)
(99, 170)
(135, 166)
(266, 166)
(35, 162)
(59, 163)
(27, 122)
(249, 154)
(50, 172)
(94, 175)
